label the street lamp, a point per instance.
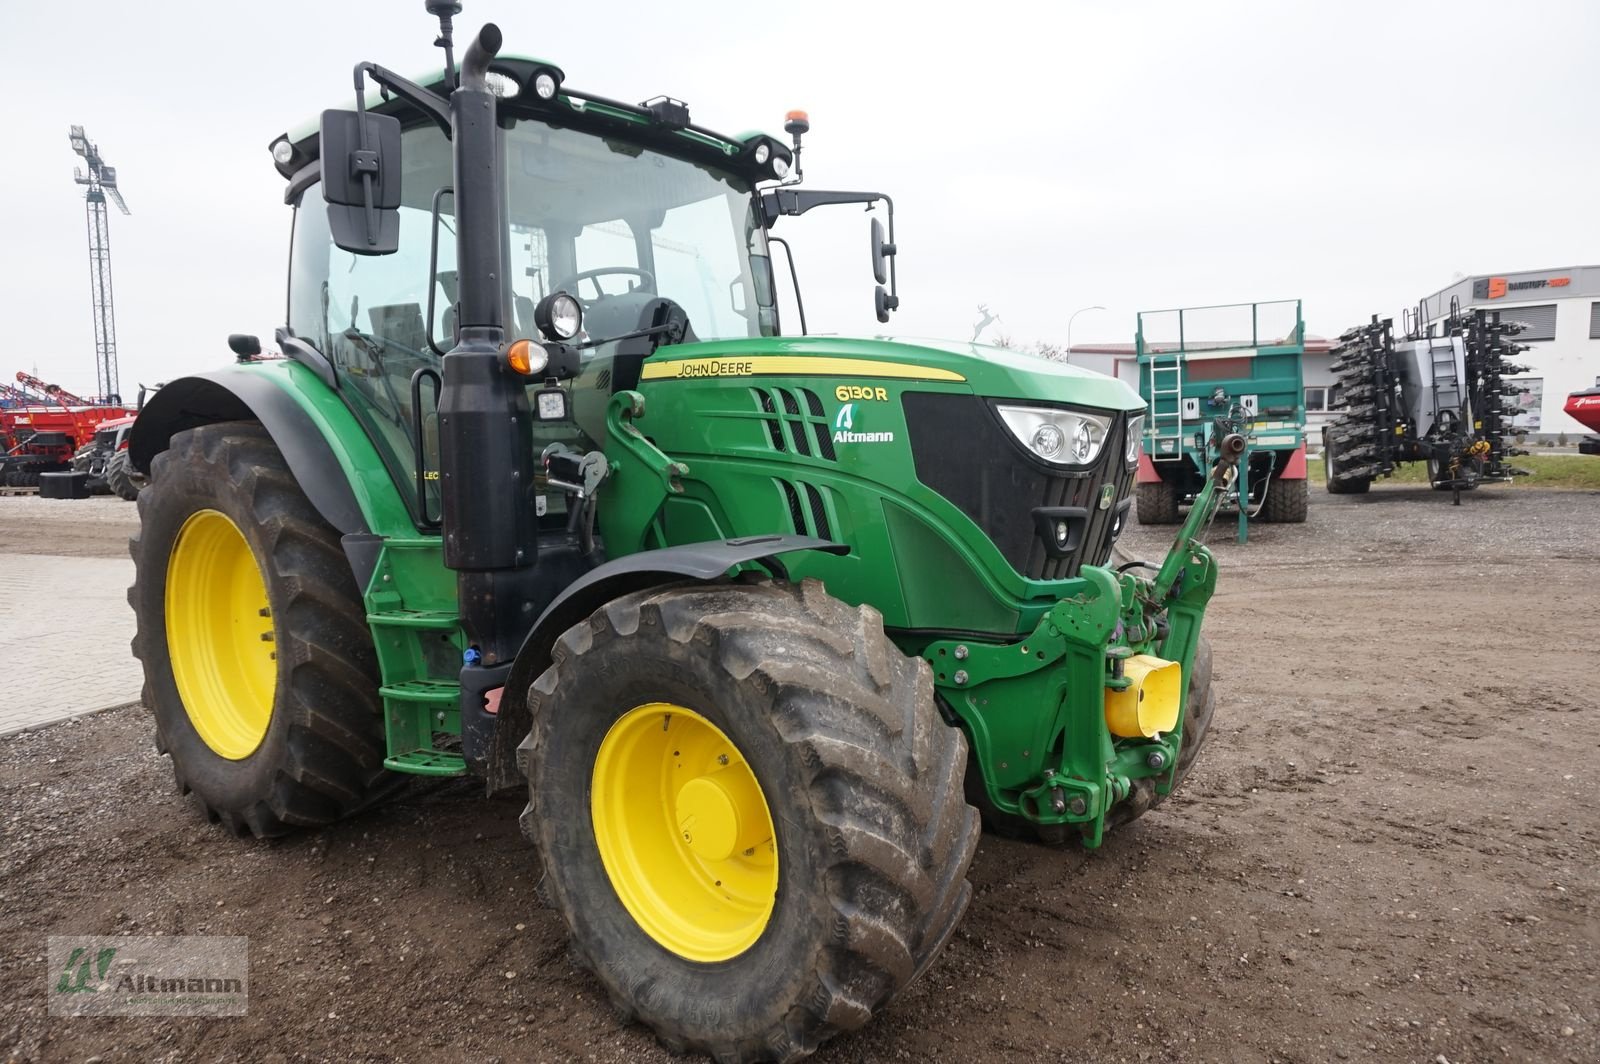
(1069, 324)
(1075, 313)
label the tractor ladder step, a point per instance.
(439, 619)
(421, 709)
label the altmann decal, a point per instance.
(844, 424)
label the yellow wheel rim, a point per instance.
(684, 832)
(219, 635)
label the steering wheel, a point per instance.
(647, 281)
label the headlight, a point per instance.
(544, 85)
(780, 167)
(1060, 437)
(1135, 435)
(763, 153)
(558, 316)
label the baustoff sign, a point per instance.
(1496, 287)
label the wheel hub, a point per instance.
(684, 832)
(220, 637)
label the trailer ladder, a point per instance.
(1166, 383)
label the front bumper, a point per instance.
(1035, 710)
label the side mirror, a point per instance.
(881, 251)
(361, 180)
(883, 303)
(242, 344)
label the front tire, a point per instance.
(258, 663)
(120, 477)
(804, 699)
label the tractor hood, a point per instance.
(994, 372)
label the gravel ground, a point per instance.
(96, 527)
(1388, 852)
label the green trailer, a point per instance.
(1206, 373)
(542, 491)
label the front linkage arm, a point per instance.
(1035, 709)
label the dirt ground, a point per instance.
(1388, 852)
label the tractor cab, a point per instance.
(637, 216)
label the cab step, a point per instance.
(427, 763)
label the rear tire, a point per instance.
(120, 477)
(320, 755)
(1158, 503)
(862, 777)
(1287, 501)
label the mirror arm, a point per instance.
(793, 202)
(429, 103)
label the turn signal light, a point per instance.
(527, 357)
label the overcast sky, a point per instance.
(1043, 156)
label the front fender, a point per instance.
(324, 445)
(625, 575)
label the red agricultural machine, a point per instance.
(42, 426)
(1584, 408)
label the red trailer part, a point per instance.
(43, 426)
(1584, 408)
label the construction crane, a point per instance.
(102, 183)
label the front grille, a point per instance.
(963, 451)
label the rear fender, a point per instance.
(323, 444)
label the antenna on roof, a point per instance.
(445, 10)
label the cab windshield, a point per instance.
(615, 224)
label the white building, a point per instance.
(1561, 309)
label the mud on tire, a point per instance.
(322, 755)
(864, 783)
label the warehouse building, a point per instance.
(1561, 309)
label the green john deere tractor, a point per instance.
(540, 492)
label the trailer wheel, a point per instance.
(258, 662)
(1338, 485)
(1158, 503)
(1287, 501)
(120, 476)
(1202, 704)
(749, 813)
